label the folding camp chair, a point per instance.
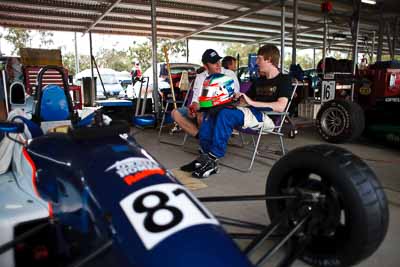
(167, 118)
(279, 119)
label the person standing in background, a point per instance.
(229, 63)
(136, 72)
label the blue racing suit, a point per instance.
(216, 129)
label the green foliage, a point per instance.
(122, 60)
(234, 49)
(69, 62)
(46, 39)
(387, 57)
(19, 38)
(113, 59)
(305, 61)
(142, 52)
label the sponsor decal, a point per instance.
(392, 100)
(329, 76)
(134, 169)
(365, 90)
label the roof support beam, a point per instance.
(154, 58)
(355, 32)
(105, 13)
(278, 36)
(294, 30)
(229, 19)
(283, 16)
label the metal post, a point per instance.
(313, 58)
(380, 39)
(187, 50)
(395, 33)
(154, 55)
(76, 54)
(3, 73)
(325, 41)
(389, 40)
(294, 38)
(92, 87)
(355, 30)
(283, 14)
(371, 60)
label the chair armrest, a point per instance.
(275, 113)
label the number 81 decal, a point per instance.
(159, 211)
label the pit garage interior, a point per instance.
(351, 26)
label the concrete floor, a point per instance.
(383, 160)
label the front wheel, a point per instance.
(350, 221)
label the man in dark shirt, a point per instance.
(270, 92)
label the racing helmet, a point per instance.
(218, 89)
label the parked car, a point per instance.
(110, 80)
(124, 78)
(163, 83)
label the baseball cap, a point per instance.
(210, 56)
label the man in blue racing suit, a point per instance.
(186, 117)
(269, 92)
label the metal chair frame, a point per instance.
(182, 104)
(277, 130)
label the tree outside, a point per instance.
(113, 59)
(304, 59)
(142, 52)
(19, 38)
(46, 39)
(69, 62)
(234, 49)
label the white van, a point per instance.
(110, 80)
(176, 69)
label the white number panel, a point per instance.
(328, 90)
(159, 211)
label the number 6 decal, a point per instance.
(328, 90)
(158, 211)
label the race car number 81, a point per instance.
(162, 210)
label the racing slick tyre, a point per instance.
(340, 121)
(350, 221)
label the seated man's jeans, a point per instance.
(216, 130)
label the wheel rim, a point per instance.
(331, 229)
(333, 121)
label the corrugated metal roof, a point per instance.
(242, 21)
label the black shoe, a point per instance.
(195, 164)
(207, 168)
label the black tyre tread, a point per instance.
(356, 121)
(370, 194)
